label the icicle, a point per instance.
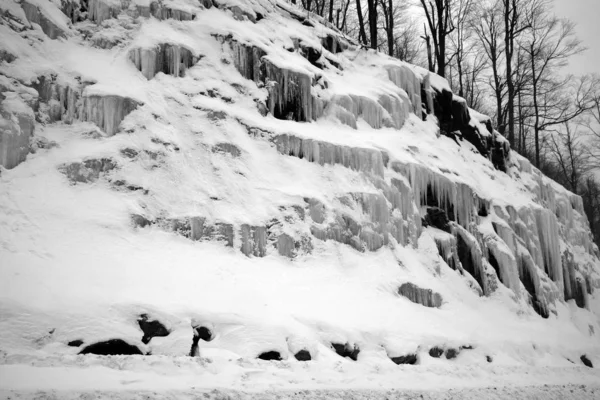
(470, 256)
(502, 259)
(289, 93)
(425, 297)
(168, 58)
(107, 111)
(547, 229)
(254, 240)
(358, 159)
(397, 108)
(406, 79)
(101, 10)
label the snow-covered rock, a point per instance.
(277, 186)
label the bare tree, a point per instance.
(439, 21)
(488, 27)
(570, 153)
(549, 44)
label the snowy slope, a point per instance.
(244, 168)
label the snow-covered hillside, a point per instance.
(235, 181)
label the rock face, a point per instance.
(87, 171)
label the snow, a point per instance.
(73, 266)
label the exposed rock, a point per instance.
(112, 347)
(451, 353)
(151, 328)
(334, 43)
(489, 359)
(586, 361)
(406, 359)
(139, 221)
(200, 333)
(303, 355)
(227, 148)
(170, 59)
(426, 297)
(203, 333)
(75, 343)
(346, 350)
(87, 171)
(436, 352)
(437, 218)
(270, 356)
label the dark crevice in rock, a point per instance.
(407, 359)
(151, 328)
(168, 58)
(346, 350)
(270, 356)
(528, 283)
(303, 355)
(111, 347)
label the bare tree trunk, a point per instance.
(372, 5)
(361, 23)
(330, 11)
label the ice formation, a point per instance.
(351, 183)
(168, 58)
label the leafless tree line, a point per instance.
(506, 58)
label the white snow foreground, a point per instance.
(203, 183)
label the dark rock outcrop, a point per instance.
(437, 218)
(75, 343)
(303, 355)
(452, 353)
(151, 328)
(406, 359)
(112, 347)
(586, 361)
(436, 352)
(346, 350)
(270, 356)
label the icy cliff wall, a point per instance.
(390, 159)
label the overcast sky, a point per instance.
(586, 14)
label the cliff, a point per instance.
(244, 180)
